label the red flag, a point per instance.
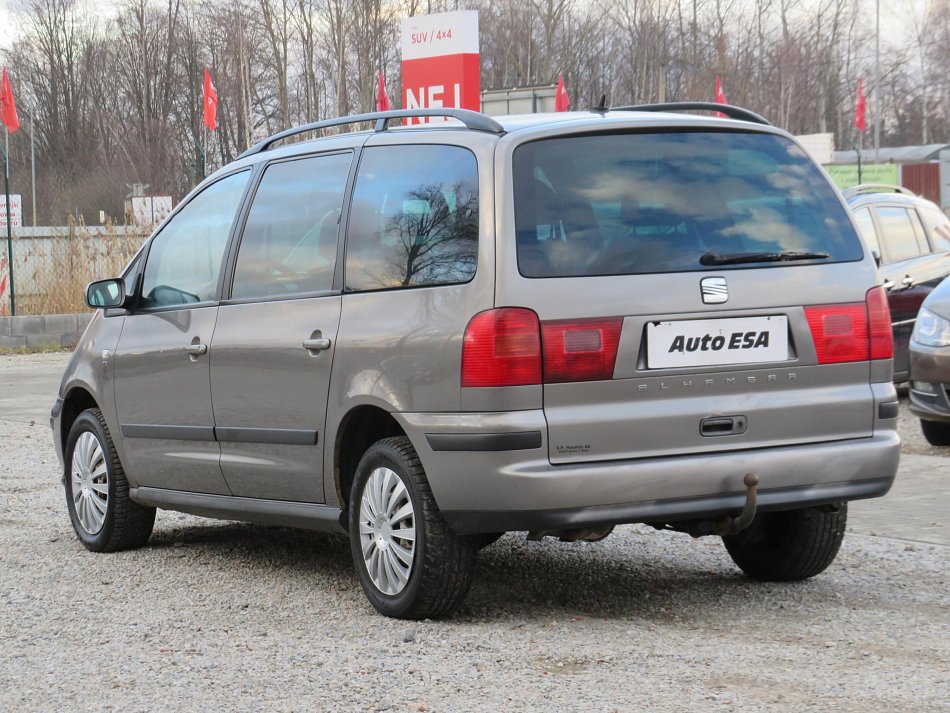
(7, 107)
(720, 95)
(382, 98)
(210, 103)
(561, 100)
(860, 109)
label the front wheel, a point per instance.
(97, 491)
(790, 545)
(409, 563)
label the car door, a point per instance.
(162, 379)
(910, 271)
(275, 336)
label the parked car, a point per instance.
(426, 336)
(930, 366)
(911, 237)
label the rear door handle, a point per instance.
(316, 344)
(196, 349)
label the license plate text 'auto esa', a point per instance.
(713, 342)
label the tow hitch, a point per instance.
(735, 525)
(725, 525)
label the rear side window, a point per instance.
(897, 233)
(290, 237)
(938, 227)
(414, 218)
(621, 204)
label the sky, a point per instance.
(6, 23)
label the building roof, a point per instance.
(900, 154)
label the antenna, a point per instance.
(601, 108)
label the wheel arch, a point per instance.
(78, 398)
(359, 428)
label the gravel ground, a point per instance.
(230, 616)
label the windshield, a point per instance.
(622, 204)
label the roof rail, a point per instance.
(734, 112)
(472, 120)
(853, 191)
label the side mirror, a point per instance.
(103, 294)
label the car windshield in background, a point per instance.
(624, 204)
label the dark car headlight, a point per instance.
(931, 330)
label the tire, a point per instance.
(439, 572)
(791, 545)
(103, 516)
(937, 433)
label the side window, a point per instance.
(938, 227)
(866, 225)
(897, 233)
(414, 219)
(184, 260)
(919, 232)
(290, 238)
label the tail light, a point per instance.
(879, 324)
(852, 332)
(580, 350)
(502, 347)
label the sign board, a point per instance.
(440, 62)
(522, 100)
(16, 211)
(147, 210)
(821, 147)
(846, 175)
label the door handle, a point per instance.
(196, 349)
(316, 344)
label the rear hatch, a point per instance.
(697, 291)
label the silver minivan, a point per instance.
(425, 336)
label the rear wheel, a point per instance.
(937, 433)
(409, 563)
(790, 545)
(97, 492)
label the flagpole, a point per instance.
(33, 159)
(6, 191)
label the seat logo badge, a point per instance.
(714, 290)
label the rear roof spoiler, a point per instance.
(733, 112)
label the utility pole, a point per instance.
(877, 85)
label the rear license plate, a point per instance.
(715, 342)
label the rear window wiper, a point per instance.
(713, 258)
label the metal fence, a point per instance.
(52, 265)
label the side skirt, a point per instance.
(308, 516)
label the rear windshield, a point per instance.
(625, 204)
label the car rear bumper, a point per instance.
(491, 490)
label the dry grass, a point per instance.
(57, 270)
